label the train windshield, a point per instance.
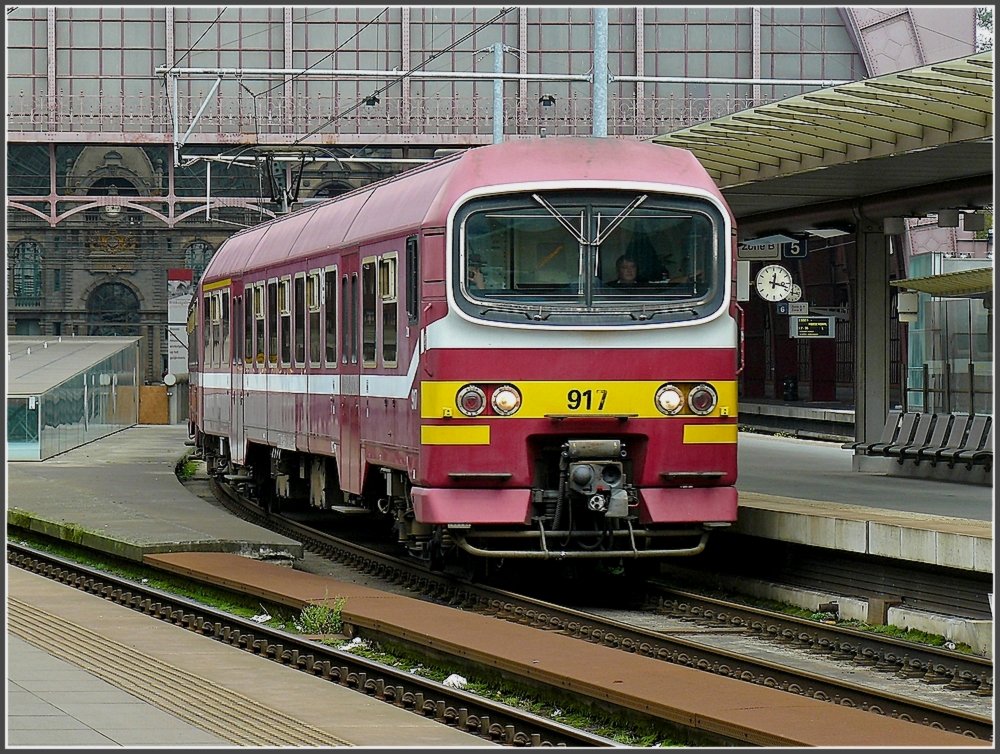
(603, 258)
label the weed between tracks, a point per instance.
(629, 733)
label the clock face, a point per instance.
(112, 211)
(795, 294)
(774, 283)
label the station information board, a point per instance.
(812, 327)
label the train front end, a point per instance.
(565, 413)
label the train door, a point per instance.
(349, 411)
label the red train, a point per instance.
(449, 348)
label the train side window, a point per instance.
(330, 313)
(312, 305)
(224, 327)
(207, 333)
(272, 321)
(345, 318)
(238, 324)
(249, 300)
(388, 290)
(299, 312)
(368, 312)
(193, 335)
(285, 312)
(354, 318)
(215, 307)
(259, 313)
(412, 280)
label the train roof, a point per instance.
(423, 196)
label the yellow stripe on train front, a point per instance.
(455, 434)
(541, 398)
(699, 434)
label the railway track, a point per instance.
(495, 722)
(938, 669)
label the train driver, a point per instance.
(628, 273)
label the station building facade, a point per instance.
(140, 138)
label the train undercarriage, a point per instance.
(583, 507)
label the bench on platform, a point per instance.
(973, 456)
(972, 441)
(889, 433)
(919, 437)
(938, 439)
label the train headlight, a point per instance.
(506, 400)
(702, 399)
(669, 399)
(470, 400)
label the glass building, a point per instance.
(140, 138)
(65, 392)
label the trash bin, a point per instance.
(790, 388)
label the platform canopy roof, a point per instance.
(37, 364)
(903, 144)
(964, 283)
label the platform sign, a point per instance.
(812, 327)
(179, 291)
(772, 248)
(797, 249)
(796, 308)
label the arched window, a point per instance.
(26, 270)
(113, 309)
(331, 189)
(196, 258)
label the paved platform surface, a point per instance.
(83, 671)
(120, 495)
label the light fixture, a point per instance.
(907, 304)
(371, 100)
(974, 221)
(546, 100)
(893, 226)
(947, 218)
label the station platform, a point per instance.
(120, 495)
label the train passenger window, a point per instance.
(388, 287)
(238, 324)
(216, 314)
(193, 335)
(345, 335)
(330, 303)
(354, 318)
(299, 312)
(258, 314)
(313, 301)
(224, 322)
(412, 280)
(272, 321)
(368, 314)
(207, 319)
(248, 318)
(285, 312)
